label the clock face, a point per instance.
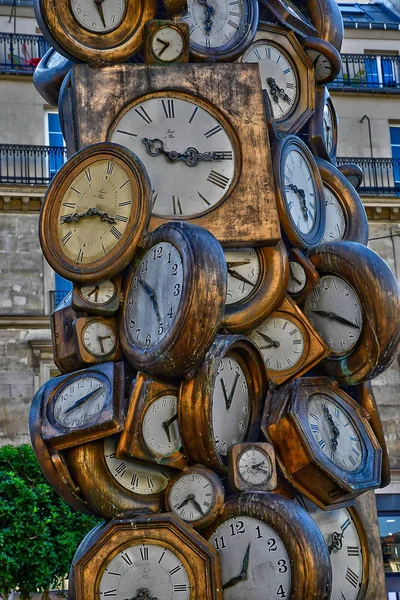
(99, 338)
(345, 548)
(94, 211)
(334, 433)
(191, 496)
(254, 466)
(328, 128)
(254, 560)
(297, 277)
(154, 296)
(133, 475)
(278, 76)
(100, 293)
(334, 310)
(98, 16)
(230, 405)
(281, 343)
(160, 425)
(167, 44)
(187, 150)
(335, 224)
(322, 66)
(148, 566)
(243, 265)
(300, 192)
(79, 402)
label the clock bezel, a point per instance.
(151, 29)
(353, 173)
(331, 54)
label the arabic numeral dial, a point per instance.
(160, 425)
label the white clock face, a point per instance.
(334, 432)
(154, 296)
(230, 405)
(160, 426)
(322, 66)
(188, 154)
(300, 191)
(346, 552)
(243, 265)
(99, 293)
(99, 338)
(94, 211)
(335, 224)
(79, 402)
(148, 565)
(167, 44)
(215, 24)
(328, 128)
(278, 76)
(99, 16)
(192, 496)
(134, 475)
(254, 560)
(281, 343)
(297, 278)
(334, 310)
(254, 466)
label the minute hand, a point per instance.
(191, 156)
(334, 317)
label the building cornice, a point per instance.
(21, 322)
(21, 198)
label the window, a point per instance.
(54, 139)
(389, 530)
(395, 146)
(62, 287)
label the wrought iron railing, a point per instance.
(381, 175)
(369, 71)
(20, 53)
(30, 165)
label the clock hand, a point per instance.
(302, 194)
(196, 504)
(276, 90)
(294, 276)
(191, 156)
(335, 430)
(233, 390)
(184, 502)
(90, 212)
(98, 4)
(336, 543)
(267, 347)
(268, 339)
(243, 572)
(152, 295)
(82, 400)
(209, 12)
(331, 315)
(227, 405)
(95, 290)
(240, 277)
(238, 263)
(167, 425)
(165, 44)
(343, 596)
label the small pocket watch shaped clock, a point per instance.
(166, 42)
(174, 300)
(353, 173)
(252, 467)
(325, 58)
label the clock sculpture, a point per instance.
(213, 404)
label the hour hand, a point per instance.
(240, 277)
(334, 317)
(82, 400)
(243, 572)
(98, 4)
(227, 405)
(167, 424)
(268, 339)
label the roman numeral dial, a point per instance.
(281, 343)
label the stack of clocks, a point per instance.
(226, 316)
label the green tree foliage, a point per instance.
(39, 532)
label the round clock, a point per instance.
(286, 75)
(323, 126)
(299, 192)
(347, 545)
(174, 300)
(353, 173)
(325, 58)
(220, 31)
(168, 43)
(49, 75)
(145, 558)
(346, 218)
(356, 287)
(114, 487)
(88, 31)
(196, 495)
(94, 213)
(190, 151)
(297, 278)
(257, 279)
(252, 466)
(221, 405)
(101, 298)
(99, 338)
(259, 533)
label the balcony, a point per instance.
(30, 165)
(20, 53)
(381, 175)
(368, 72)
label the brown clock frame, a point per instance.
(287, 42)
(311, 575)
(356, 217)
(353, 173)
(105, 309)
(150, 31)
(295, 255)
(74, 41)
(107, 539)
(122, 253)
(303, 463)
(320, 46)
(327, 19)
(315, 348)
(219, 490)
(293, 19)
(230, 91)
(64, 346)
(269, 291)
(236, 482)
(280, 150)
(379, 294)
(196, 394)
(111, 420)
(145, 391)
(316, 137)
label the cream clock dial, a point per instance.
(243, 266)
(191, 496)
(187, 150)
(335, 224)
(100, 293)
(167, 44)
(160, 425)
(281, 343)
(297, 277)
(98, 16)
(98, 338)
